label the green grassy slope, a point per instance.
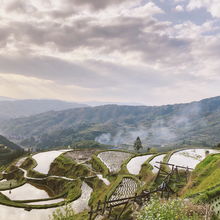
(205, 179)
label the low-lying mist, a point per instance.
(161, 131)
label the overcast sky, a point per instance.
(151, 52)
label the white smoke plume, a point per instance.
(161, 131)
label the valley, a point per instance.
(168, 126)
(84, 162)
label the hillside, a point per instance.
(8, 150)
(196, 123)
(20, 108)
(204, 183)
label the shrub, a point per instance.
(168, 210)
(66, 213)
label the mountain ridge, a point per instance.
(197, 122)
(21, 108)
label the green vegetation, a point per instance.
(137, 144)
(146, 176)
(98, 166)
(2, 168)
(73, 190)
(55, 187)
(29, 163)
(169, 210)
(126, 215)
(14, 173)
(35, 174)
(5, 201)
(11, 184)
(203, 185)
(67, 213)
(99, 189)
(89, 144)
(8, 151)
(75, 125)
(205, 180)
(64, 166)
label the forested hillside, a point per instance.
(196, 123)
(8, 150)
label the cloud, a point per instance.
(111, 50)
(88, 74)
(212, 6)
(134, 30)
(179, 8)
(179, 1)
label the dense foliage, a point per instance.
(168, 210)
(138, 144)
(67, 213)
(8, 150)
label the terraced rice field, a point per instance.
(215, 205)
(25, 192)
(81, 156)
(53, 201)
(190, 157)
(2, 181)
(18, 164)
(10, 213)
(156, 159)
(113, 160)
(134, 165)
(126, 188)
(44, 160)
(82, 202)
(106, 181)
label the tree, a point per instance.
(138, 144)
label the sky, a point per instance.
(134, 51)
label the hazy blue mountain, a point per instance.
(180, 124)
(21, 108)
(97, 103)
(3, 98)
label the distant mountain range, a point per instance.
(196, 123)
(97, 103)
(3, 98)
(21, 108)
(15, 108)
